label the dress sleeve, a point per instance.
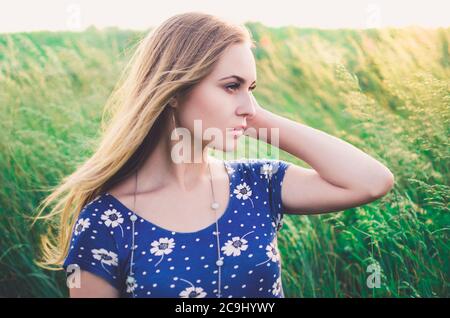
(92, 246)
(274, 171)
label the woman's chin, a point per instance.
(229, 144)
(232, 144)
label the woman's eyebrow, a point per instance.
(240, 79)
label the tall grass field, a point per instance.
(386, 91)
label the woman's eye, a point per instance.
(233, 87)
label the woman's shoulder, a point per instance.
(263, 167)
(93, 208)
(100, 216)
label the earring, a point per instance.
(174, 123)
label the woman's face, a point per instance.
(221, 103)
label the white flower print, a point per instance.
(162, 247)
(105, 257)
(230, 169)
(235, 245)
(278, 224)
(112, 218)
(272, 253)
(82, 225)
(244, 192)
(131, 284)
(267, 170)
(276, 287)
(192, 291)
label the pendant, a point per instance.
(215, 205)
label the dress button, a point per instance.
(133, 218)
(219, 262)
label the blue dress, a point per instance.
(183, 264)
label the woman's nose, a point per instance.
(247, 107)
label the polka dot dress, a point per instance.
(108, 237)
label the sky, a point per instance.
(54, 15)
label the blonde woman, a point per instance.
(134, 221)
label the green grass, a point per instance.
(385, 91)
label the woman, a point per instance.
(148, 216)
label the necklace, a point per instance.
(219, 262)
(214, 205)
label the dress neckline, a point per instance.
(162, 229)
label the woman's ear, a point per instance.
(173, 102)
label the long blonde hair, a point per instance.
(168, 62)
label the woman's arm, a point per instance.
(93, 286)
(342, 176)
